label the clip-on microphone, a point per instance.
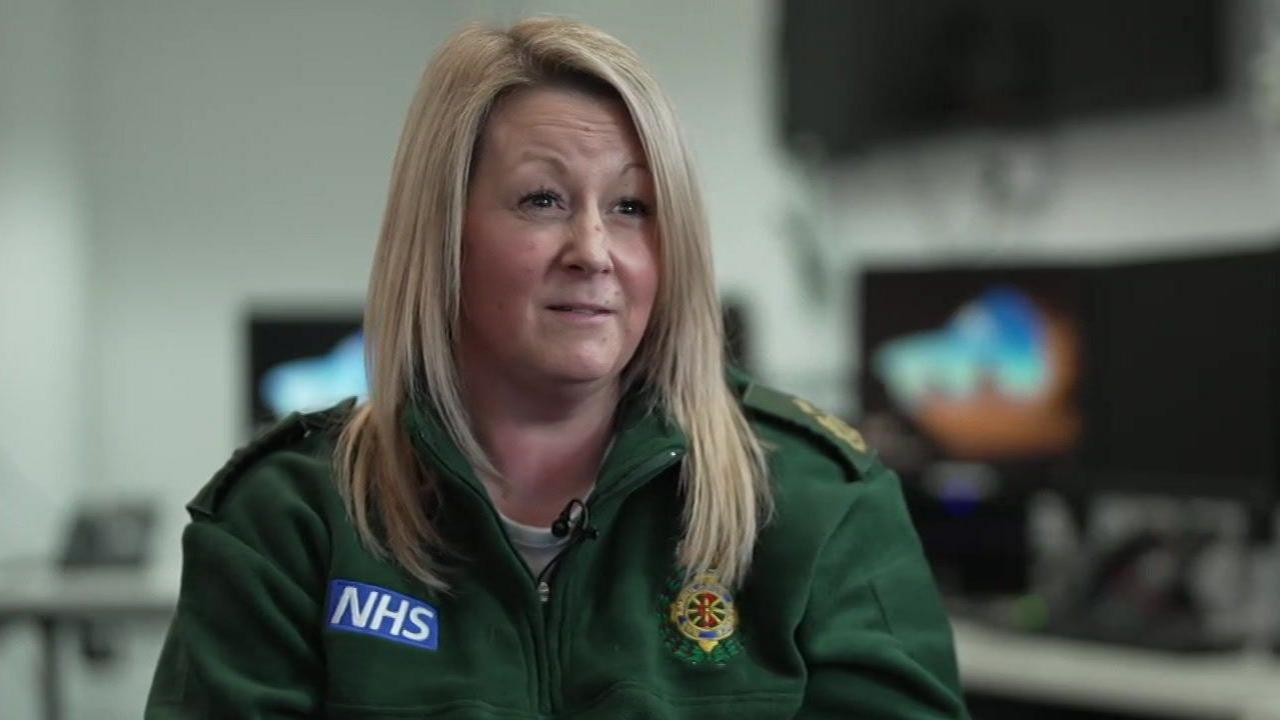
(575, 518)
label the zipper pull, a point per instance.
(544, 591)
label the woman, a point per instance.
(555, 502)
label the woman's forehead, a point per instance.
(557, 125)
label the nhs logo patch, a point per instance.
(371, 610)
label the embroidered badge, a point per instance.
(700, 620)
(371, 610)
(833, 425)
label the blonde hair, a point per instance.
(412, 314)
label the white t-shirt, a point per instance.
(536, 545)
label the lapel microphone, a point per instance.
(575, 518)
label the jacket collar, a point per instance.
(642, 430)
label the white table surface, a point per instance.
(38, 591)
(1087, 674)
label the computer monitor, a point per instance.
(1184, 393)
(302, 361)
(1154, 376)
(970, 386)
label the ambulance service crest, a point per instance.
(700, 620)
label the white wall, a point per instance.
(238, 152)
(42, 291)
(241, 155)
(43, 294)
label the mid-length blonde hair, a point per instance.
(412, 314)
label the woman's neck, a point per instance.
(548, 446)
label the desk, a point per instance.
(53, 599)
(1085, 674)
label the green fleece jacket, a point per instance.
(283, 613)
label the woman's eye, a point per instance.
(632, 206)
(540, 200)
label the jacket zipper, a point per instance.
(650, 468)
(638, 473)
(543, 591)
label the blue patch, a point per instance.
(371, 610)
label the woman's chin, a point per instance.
(590, 369)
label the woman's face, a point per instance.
(559, 242)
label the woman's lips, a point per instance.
(580, 309)
(580, 314)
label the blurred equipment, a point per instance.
(1158, 378)
(103, 578)
(105, 536)
(861, 72)
(1183, 400)
(971, 388)
(109, 535)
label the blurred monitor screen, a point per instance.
(1160, 376)
(1184, 395)
(860, 72)
(303, 361)
(977, 365)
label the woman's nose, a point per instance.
(587, 249)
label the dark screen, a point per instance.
(855, 73)
(1185, 389)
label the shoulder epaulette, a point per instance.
(805, 416)
(292, 429)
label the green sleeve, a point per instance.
(245, 639)
(876, 639)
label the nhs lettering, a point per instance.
(371, 610)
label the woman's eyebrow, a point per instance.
(559, 166)
(633, 166)
(530, 157)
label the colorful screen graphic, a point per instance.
(303, 362)
(984, 365)
(314, 383)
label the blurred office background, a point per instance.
(1029, 251)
